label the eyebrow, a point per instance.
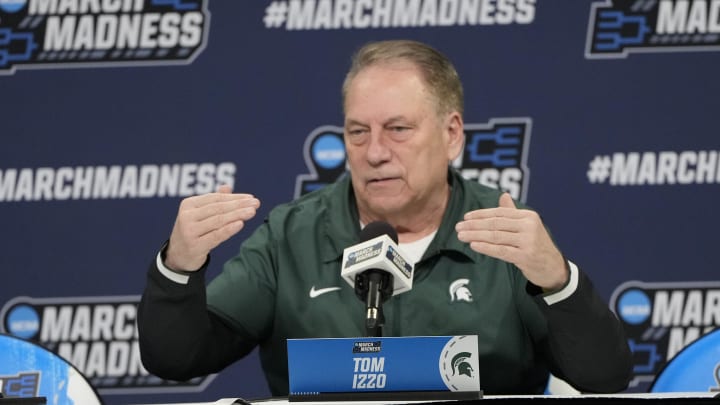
(389, 121)
(393, 120)
(349, 122)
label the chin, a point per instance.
(386, 205)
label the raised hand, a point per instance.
(205, 221)
(517, 236)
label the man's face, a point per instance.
(398, 146)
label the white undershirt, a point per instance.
(415, 250)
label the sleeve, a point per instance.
(179, 338)
(244, 294)
(586, 343)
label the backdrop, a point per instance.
(599, 114)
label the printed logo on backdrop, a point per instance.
(661, 319)
(97, 335)
(655, 168)
(369, 14)
(75, 33)
(113, 182)
(20, 385)
(495, 154)
(324, 153)
(620, 27)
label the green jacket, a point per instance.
(265, 295)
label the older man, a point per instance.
(482, 265)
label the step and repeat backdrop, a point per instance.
(112, 111)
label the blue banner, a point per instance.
(438, 363)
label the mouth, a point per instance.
(381, 180)
(383, 184)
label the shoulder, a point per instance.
(475, 194)
(313, 204)
(326, 216)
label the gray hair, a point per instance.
(436, 69)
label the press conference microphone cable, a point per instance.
(376, 270)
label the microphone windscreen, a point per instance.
(378, 228)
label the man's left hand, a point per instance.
(517, 236)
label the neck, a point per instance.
(413, 223)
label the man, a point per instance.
(484, 266)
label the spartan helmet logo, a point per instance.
(460, 365)
(459, 290)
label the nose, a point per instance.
(378, 151)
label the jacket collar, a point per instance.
(446, 240)
(340, 219)
(342, 223)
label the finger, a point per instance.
(220, 208)
(206, 235)
(491, 224)
(196, 229)
(205, 199)
(506, 201)
(492, 237)
(224, 189)
(217, 236)
(496, 212)
(215, 222)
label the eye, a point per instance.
(356, 135)
(399, 132)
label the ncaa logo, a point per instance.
(661, 320)
(634, 306)
(23, 321)
(97, 335)
(324, 153)
(11, 6)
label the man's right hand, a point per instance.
(205, 221)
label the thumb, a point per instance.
(225, 189)
(506, 201)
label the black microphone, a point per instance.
(376, 270)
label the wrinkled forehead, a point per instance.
(398, 66)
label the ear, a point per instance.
(456, 135)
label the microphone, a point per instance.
(376, 269)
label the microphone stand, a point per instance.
(379, 289)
